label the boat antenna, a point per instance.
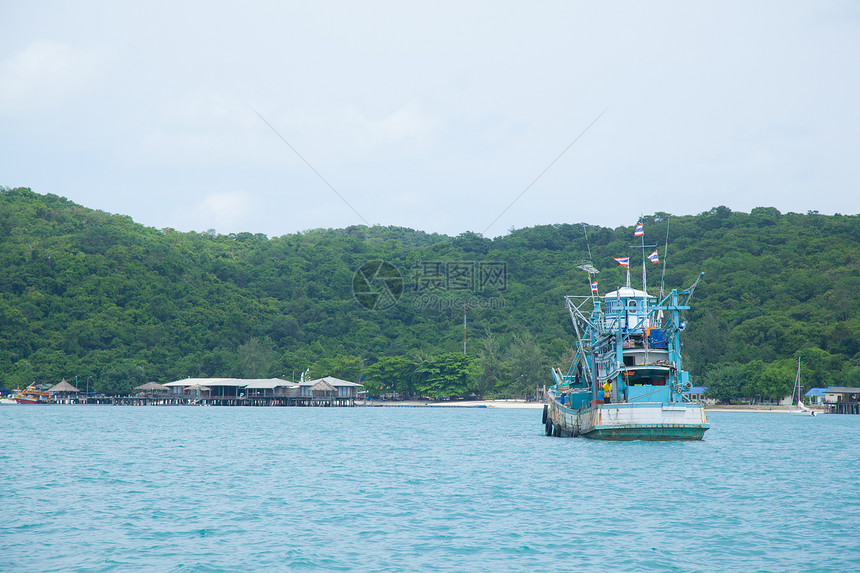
(644, 282)
(665, 251)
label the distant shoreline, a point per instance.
(451, 404)
(756, 408)
(522, 404)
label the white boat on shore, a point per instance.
(798, 408)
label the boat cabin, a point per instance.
(628, 308)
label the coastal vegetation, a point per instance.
(99, 299)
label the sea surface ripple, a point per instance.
(104, 488)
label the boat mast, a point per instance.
(640, 232)
(665, 253)
(796, 384)
(644, 282)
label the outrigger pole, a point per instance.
(587, 266)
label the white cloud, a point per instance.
(45, 74)
(408, 124)
(225, 211)
(433, 116)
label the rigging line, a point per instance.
(342, 198)
(535, 180)
(290, 424)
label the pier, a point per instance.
(185, 400)
(271, 401)
(842, 400)
(326, 392)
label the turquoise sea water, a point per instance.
(102, 488)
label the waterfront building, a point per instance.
(337, 387)
(842, 400)
(327, 391)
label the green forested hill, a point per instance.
(97, 297)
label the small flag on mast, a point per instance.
(624, 261)
(653, 257)
(594, 286)
(640, 231)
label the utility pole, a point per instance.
(464, 328)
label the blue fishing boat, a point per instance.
(626, 381)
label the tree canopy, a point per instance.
(89, 294)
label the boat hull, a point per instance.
(657, 433)
(628, 421)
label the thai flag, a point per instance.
(640, 231)
(594, 286)
(653, 257)
(624, 261)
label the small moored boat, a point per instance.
(799, 408)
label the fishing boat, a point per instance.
(31, 395)
(798, 408)
(626, 381)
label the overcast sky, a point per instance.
(430, 115)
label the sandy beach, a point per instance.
(453, 404)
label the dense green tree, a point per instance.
(528, 367)
(388, 374)
(724, 382)
(121, 378)
(82, 291)
(492, 368)
(20, 375)
(256, 357)
(446, 375)
(771, 381)
(345, 367)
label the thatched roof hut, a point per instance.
(323, 389)
(152, 387)
(62, 387)
(339, 388)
